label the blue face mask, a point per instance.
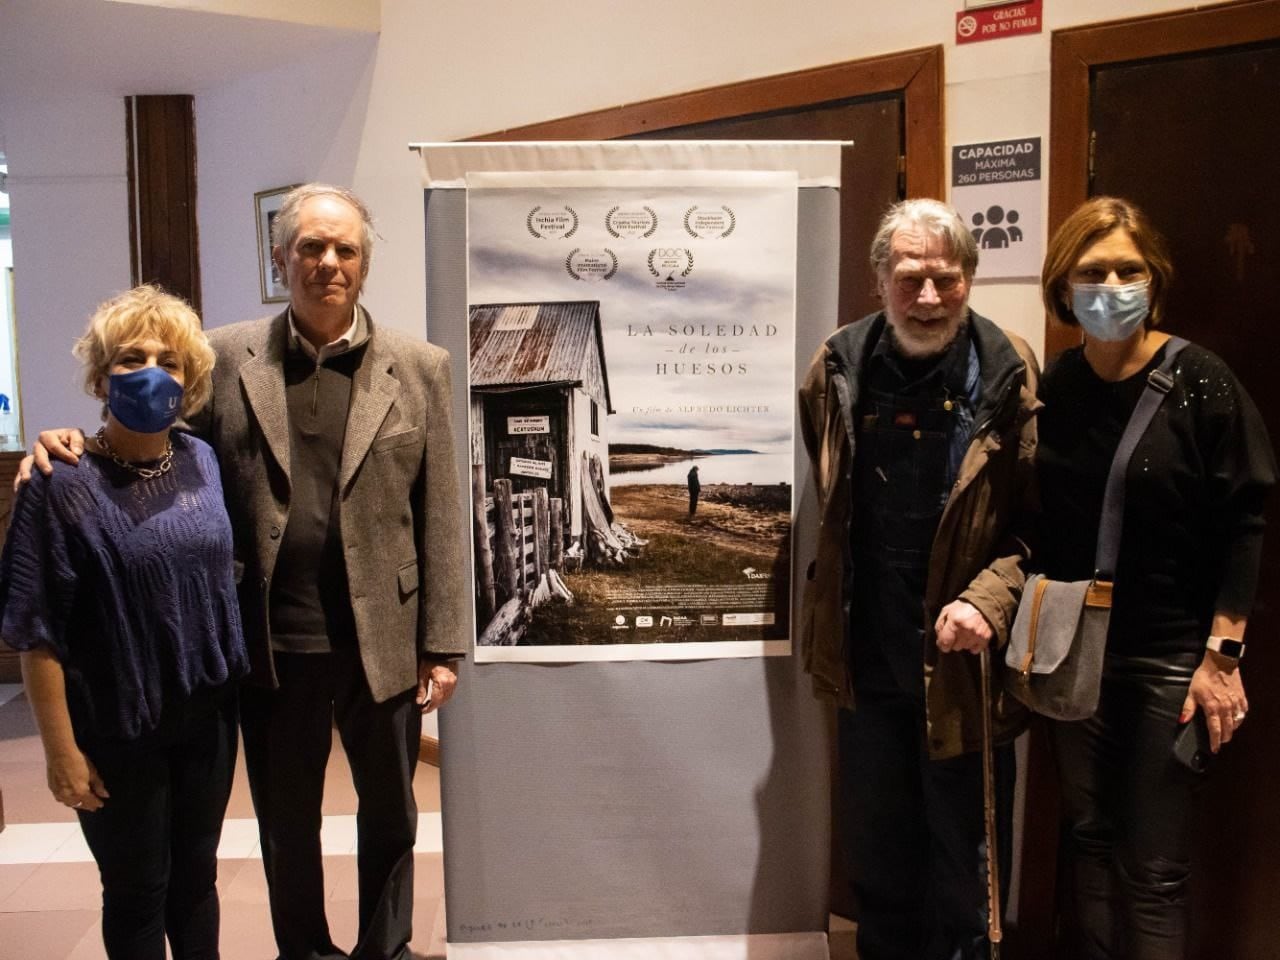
(146, 400)
(1110, 313)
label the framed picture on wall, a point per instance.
(266, 204)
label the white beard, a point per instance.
(912, 341)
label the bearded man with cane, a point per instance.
(919, 421)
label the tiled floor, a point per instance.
(50, 898)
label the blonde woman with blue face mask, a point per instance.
(117, 585)
(1184, 582)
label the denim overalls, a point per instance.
(913, 426)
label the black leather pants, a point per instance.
(1128, 809)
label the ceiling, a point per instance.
(52, 46)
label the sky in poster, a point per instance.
(702, 362)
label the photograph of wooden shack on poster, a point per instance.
(631, 453)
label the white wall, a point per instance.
(290, 125)
(70, 228)
(471, 66)
(441, 71)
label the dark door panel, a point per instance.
(890, 106)
(869, 171)
(1189, 131)
(1193, 140)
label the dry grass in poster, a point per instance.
(714, 546)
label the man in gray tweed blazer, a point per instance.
(336, 450)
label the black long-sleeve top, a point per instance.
(1195, 490)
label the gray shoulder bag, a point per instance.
(1053, 663)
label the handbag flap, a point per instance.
(1054, 610)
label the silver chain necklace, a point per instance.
(146, 473)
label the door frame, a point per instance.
(1075, 52)
(164, 235)
(916, 73)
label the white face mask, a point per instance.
(1109, 312)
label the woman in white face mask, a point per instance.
(1190, 543)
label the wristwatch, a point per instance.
(1227, 647)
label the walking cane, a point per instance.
(994, 934)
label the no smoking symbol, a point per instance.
(967, 26)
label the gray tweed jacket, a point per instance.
(398, 486)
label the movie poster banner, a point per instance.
(632, 341)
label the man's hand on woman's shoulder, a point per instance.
(65, 444)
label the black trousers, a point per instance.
(156, 837)
(287, 736)
(914, 836)
(1128, 806)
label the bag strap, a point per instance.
(1159, 383)
(1033, 629)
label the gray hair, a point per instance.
(284, 228)
(936, 219)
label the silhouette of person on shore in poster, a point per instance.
(694, 488)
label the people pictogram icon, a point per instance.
(992, 234)
(1015, 233)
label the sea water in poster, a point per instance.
(632, 402)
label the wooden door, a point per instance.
(550, 447)
(890, 106)
(870, 173)
(1186, 124)
(871, 169)
(1214, 120)
(163, 234)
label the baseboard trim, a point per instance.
(429, 751)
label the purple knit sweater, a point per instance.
(129, 583)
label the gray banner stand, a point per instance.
(642, 800)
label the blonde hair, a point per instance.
(139, 314)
